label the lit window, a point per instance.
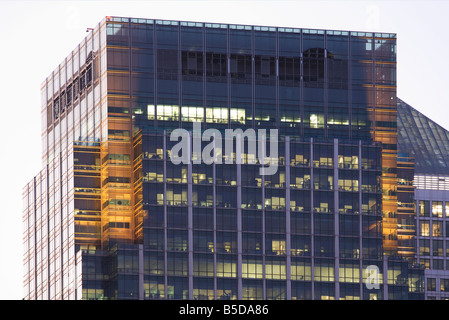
(238, 115)
(192, 114)
(217, 115)
(437, 228)
(166, 113)
(151, 111)
(437, 209)
(316, 121)
(425, 228)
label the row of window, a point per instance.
(432, 284)
(437, 248)
(221, 115)
(71, 92)
(252, 267)
(427, 208)
(434, 229)
(226, 289)
(241, 66)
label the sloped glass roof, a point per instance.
(424, 140)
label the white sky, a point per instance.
(37, 35)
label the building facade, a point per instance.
(112, 217)
(427, 143)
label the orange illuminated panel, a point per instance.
(87, 194)
(139, 212)
(384, 130)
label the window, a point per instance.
(203, 241)
(424, 228)
(216, 64)
(444, 285)
(226, 289)
(349, 181)
(349, 272)
(203, 289)
(192, 114)
(349, 247)
(348, 162)
(226, 242)
(437, 228)
(424, 247)
(324, 270)
(424, 208)
(275, 268)
(226, 265)
(437, 209)
(300, 245)
(323, 155)
(300, 178)
(177, 264)
(437, 248)
(275, 244)
(119, 202)
(252, 289)
(323, 180)
(192, 63)
(438, 264)
(316, 121)
(301, 269)
(252, 267)
(177, 240)
(425, 263)
(431, 284)
(164, 112)
(203, 265)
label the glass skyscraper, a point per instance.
(110, 216)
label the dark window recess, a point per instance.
(289, 68)
(265, 67)
(192, 63)
(313, 65)
(386, 124)
(89, 75)
(116, 225)
(73, 90)
(76, 88)
(122, 133)
(87, 205)
(241, 66)
(56, 109)
(69, 95)
(216, 65)
(89, 57)
(82, 80)
(63, 102)
(119, 179)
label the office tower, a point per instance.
(111, 216)
(427, 143)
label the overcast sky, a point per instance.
(37, 35)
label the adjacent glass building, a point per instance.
(427, 143)
(110, 216)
